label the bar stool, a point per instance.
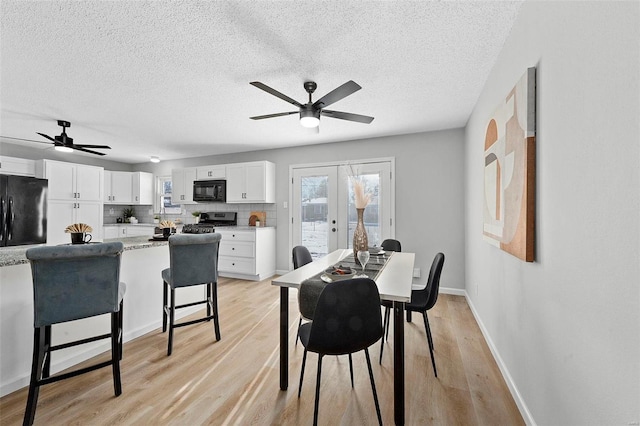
(70, 283)
(193, 261)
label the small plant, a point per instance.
(195, 214)
(128, 212)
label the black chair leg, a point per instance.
(172, 312)
(120, 326)
(385, 326)
(115, 352)
(298, 333)
(373, 386)
(387, 315)
(209, 301)
(46, 371)
(430, 342)
(408, 316)
(304, 362)
(351, 369)
(214, 309)
(315, 407)
(164, 306)
(39, 351)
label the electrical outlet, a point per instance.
(111, 211)
(416, 272)
(285, 205)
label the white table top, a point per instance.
(394, 280)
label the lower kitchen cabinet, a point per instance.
(247, 253)
(61, 214)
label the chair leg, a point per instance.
(120, 326)
(298, 333)
(387, 314)
(430, 342)
(209, 301)
(408, 316)
(351, 369)
(115, 351)
(304, 362)
(39, 351)
(214, 309)
(317, 401)
(172, 312)
(373, 386)
(46, 371)
(164, 305)
(385, 326)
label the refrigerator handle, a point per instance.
(3, 220)
(9, 220)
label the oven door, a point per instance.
(209, 191)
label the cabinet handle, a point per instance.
(136, 198)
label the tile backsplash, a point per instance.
(142, 213)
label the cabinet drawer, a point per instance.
(233, 264)
(236, 235)
(237, 248)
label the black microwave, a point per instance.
(210, 191)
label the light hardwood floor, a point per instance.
(236, 381)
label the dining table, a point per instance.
(394, 281)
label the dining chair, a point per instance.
(301, 257)
(193, 260)
(73, 282)
(391, 245)
(421, 301)
(346, 320)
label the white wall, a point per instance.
(567, 327)
(429, 191)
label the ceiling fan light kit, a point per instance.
(62, 148)
(310, 112)
(154, 159)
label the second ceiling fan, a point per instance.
(310, 112)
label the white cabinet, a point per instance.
(124, 231)
(118, 188)
(75, 196)
(252, 182)
(110, 232)
(69, 181)
(142, 188)
(62, 213)
(182, 185)
(247, 254)
(210, 172)
(17, 166)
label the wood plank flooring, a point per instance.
(236, 381)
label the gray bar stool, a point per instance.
(193, 261)
(69, 283)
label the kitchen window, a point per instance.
(163, 200)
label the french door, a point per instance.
(323, 211)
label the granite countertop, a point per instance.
(16, 255)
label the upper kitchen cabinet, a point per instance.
(70, 181)
(253, 182)
(211, 172)
(118, 187)
(142, 188)
(17, 166)
(182, 185)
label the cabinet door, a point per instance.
(235, 183)
(61, 180)
(254, 183)
(210, 172)
(106, 190)
(110, 232)
(60, 214)
(177, 186)
(189, 177)
(142, 188)
(88, 182)
(91, 214)
(121, 187)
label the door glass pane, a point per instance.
(314, 220)
(372, 216)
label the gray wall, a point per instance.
(566, 328)
(429, 191)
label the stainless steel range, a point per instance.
(208, 222)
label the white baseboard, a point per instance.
(522, 406)
(454, 291)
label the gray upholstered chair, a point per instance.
(193, 261)
(73, 282)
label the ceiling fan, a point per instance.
(310, 112)
(65, 143)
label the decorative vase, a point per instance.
(360, 239)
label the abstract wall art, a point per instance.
(510, 171)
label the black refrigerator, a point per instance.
(23, 210)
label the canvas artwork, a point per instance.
(509, 171)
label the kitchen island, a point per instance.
(141, 267)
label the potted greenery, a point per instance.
(156, 218)
(196, 216)
(127, 213)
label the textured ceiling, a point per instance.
(171, 78)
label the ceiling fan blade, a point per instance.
(275, 93)
(47, 136)
(77, 148)
(92, 146)
(279, 114)
(347, 116)
(21, 139)
(336, 94)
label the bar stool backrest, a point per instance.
(74, 281)
(194, 259)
